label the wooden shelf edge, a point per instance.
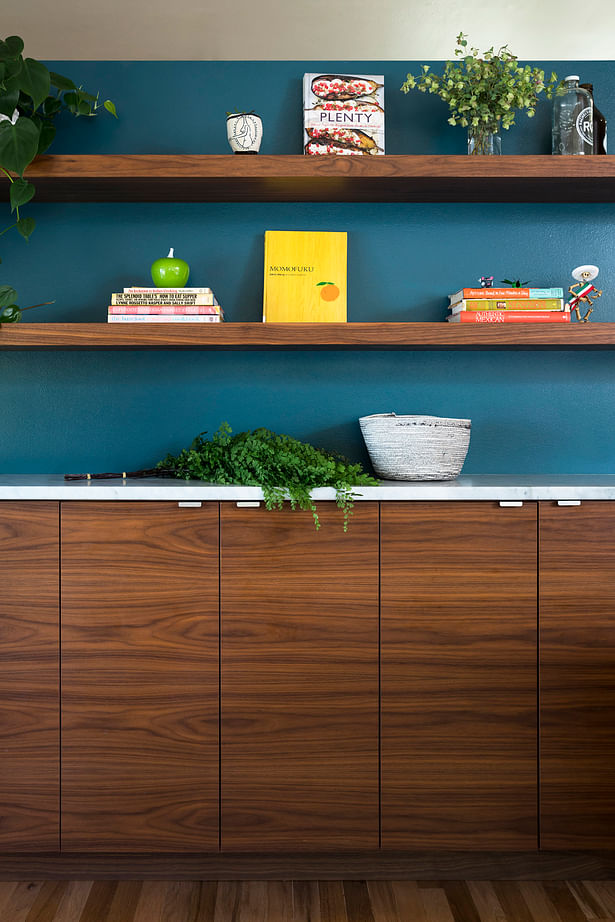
(305, 336)
(389, 178)
(194, 166)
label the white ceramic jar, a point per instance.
(244, 131)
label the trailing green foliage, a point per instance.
(37, 96)
(9, 311)
(282, 466)
(31, 97)
(484, 91)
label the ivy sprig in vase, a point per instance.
(484, 92)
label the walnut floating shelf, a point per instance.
(263, 178)
(306, 336)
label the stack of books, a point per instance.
(508, 305)
(164, 305)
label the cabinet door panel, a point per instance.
(139, 677)
(577, 675)
(299, 647)
(29, 677)
(459, 683)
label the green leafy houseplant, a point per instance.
(485, 91)
(282, 466)
(9, 311)
(31, 97)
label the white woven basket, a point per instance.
(416, 447)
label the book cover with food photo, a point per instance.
(305, 277)
(343, 114)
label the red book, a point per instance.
(511, 317)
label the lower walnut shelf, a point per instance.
(238, 336)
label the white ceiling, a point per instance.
(309, 30)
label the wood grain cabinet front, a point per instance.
(299, 679)
(163, 608)
(577, 675)
(459, 676)
(139, 677)
(29, 677)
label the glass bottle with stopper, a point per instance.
(573, 120)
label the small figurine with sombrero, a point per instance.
(584, 275)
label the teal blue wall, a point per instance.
(532, 412)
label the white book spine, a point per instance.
(164, 318)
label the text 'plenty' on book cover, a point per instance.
(305, 277)
(343, 114)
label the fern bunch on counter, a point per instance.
(283, 467)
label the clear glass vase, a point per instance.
(485, 140)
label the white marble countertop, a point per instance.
(484, 487)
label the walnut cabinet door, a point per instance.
(29, 677)
(459, 676)
(140, 633)
(299, 679)
(577, 675)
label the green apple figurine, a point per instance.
(170, 272)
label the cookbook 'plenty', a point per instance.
(343, 114)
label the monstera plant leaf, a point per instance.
(11, 48)
(21, 192)
(8, 101)
(35, 81)
(18, 144)
(7, 295)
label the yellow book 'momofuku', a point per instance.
(305, 277)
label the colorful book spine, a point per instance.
(511, 317)
(502, 294)
(165, 309)
(512, 304)
(166, 298)
(198, 291)
(164, 318)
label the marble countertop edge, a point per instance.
(476, 487)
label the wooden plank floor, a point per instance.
(307, 901)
